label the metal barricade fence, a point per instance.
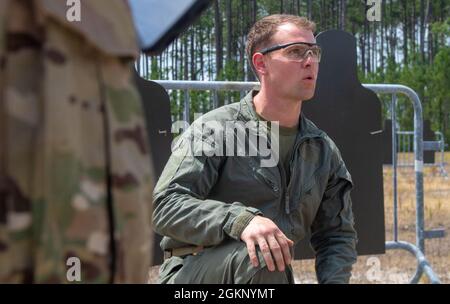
(405, 150)
(417, 249)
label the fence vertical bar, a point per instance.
(394, 162)
(186, 112)
(409, 147)
(215, 100)
(418, 168)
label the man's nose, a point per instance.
(307, 62)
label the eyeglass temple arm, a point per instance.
(281, 46)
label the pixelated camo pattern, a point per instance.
(70, 116)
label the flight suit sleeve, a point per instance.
(181, 208)
(333, 236)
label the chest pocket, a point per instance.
(311, 179)
(268, 179)
(306, 203)
(243, 180)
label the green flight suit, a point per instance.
(205, 197)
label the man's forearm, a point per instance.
(195, 221)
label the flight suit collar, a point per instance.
(247, 113)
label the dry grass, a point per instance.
(398, 266)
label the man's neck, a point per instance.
(273, 108)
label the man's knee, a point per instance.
(264, 276)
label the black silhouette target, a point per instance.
(351, 116)
(156, 104)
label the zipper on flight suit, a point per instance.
(287, 188)
(267, 180)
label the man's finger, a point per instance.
(276, 250)
(265, 249)
(252, 253)
(284, 243)
(280, 234)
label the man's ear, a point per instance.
(259, 64)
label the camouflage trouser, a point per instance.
(227, 263)
(75, 175)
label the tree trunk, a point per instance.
(309, 9)
(374, 46)
(367, 44)
(382, 27)
(200, 55)
(343, 13)
(166, 70)
(192, 59)
(218, 34)
(441, 19)
(393, 33)
(254, 11)
(174, 51)
(249, 75)
(329, 14)
(210, 77)
(363, 46)
(321, 12)
(422, 30)
(405, 32)
(412, 29)
(430, 34)
(242, 42)
(186, 59)
(160, 65)
(229, 30)
(363, 53)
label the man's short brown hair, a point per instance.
(261, 33)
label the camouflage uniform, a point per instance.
(206, 200)
(74, 164)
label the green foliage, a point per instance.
(439, 76)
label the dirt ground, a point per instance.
(398, 266)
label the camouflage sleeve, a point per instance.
(333, 236)
(75, 175)
(181, 208)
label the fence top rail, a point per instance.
(246, 85)
(207, 85)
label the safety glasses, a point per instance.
(296, 51)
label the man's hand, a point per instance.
(271, 240)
